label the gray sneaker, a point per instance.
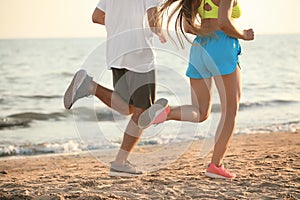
(127, 169)
(78, 88)
(156, 114)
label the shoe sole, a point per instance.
(211, 175)
(123, 174)
(74, 85)
(145, 120)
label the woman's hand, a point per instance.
(248, 34)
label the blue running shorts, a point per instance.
(215, 55)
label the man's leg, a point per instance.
(111, 99)
(131, 137)
(141, 87)
(83, 85)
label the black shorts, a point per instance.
(137, 89)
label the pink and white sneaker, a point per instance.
(156, 114)
(213, 171)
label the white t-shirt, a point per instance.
(128, 34)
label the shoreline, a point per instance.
(274, 129)
(267, 167)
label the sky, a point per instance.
(72, 18)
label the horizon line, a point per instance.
(97, 37)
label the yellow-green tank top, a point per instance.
(213, 13)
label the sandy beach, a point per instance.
(267, 167)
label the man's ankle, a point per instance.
(93, 87)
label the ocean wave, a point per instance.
(249, 105)
(74, 145)
(37, 149)
(38, 116)
(70, 146)
(276, 102)
(292, 126)
(100, 114)
(67, 74)
(106, 114)
(10, 122)
(40, 96)
(23, 119)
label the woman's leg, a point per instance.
(229, 88)
(201, 94)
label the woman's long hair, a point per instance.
(187, 10)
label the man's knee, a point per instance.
(126, 110)
(136, 114)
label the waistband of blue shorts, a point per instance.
(213, 36)
(215, 33)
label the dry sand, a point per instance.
(267, 167)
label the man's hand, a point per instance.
(98, 17)
(162, 38)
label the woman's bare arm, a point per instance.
(226, 24)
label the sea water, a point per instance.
(36, 72)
